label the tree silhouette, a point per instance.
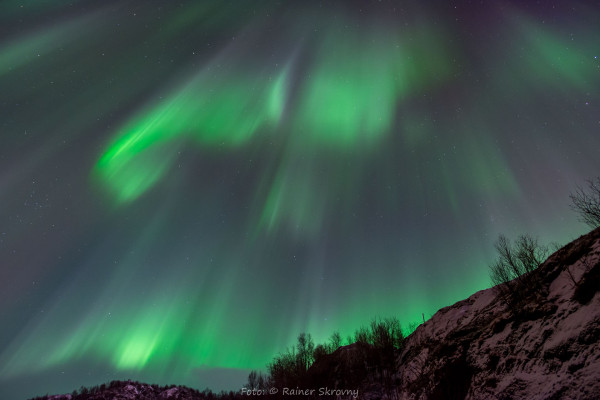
(320, 352)
(511, 273)
(305, 348)
(587, 203)
(335, 341)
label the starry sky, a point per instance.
(185, 186)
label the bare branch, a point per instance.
(587, 203)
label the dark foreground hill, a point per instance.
(545, 346)
(538, 344)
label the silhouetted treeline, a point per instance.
(369, 356)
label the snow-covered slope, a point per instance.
(547, 348)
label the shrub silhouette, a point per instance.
(256, 380)
(512, 273)
(305, 347)
(587, 203)
(289, 369)
(386, 334)
(283, 370)
(374, 354)
(320, 352)
(335, 341)
(361, 335)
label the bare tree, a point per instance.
(335, 341)
(587, 203)
(514, 261)
(252, 380)
(386, 334)
(306, 348)
(511, 272)
(319, 352)
(361, 335)
(283, 370)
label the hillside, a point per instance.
(548, 348)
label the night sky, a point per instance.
(186, 186)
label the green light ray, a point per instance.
(293, 201)
(36, 45)
(558, 62)
(545, 60)
(211, 111)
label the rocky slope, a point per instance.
(546, 348)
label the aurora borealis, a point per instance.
(186, 186)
